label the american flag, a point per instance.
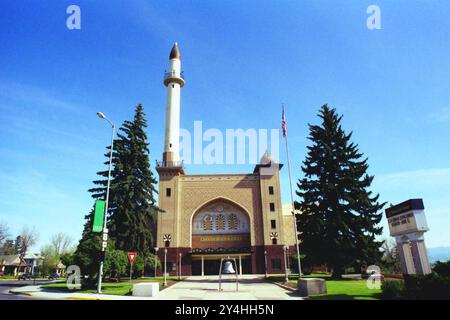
(283, 123)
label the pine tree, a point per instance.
(87, 254)
(132, 222)
(339, 215)
(131, 205)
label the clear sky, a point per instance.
(241, 59)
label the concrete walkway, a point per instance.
(251, 287)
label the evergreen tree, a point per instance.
(18, 245)
(8, 247)
(133, 217)
(87, 255)
(339, 215)
(88, 252)
(131, 205)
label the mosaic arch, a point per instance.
(219, 225)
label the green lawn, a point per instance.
(345, 289)
(121, 288)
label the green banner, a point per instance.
(98, 216)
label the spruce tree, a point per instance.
(131, 205)
(88, 252)
(339, 214)
(133, 217)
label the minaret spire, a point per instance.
(174, 81)
(175, 52)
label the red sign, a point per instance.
(132, 256)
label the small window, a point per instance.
(274, 241)
(173, 86)
(168, 192)
(272, 206)
(167, 243)
(270, 190)
(171, 266)
(276, 263)
(273, 224)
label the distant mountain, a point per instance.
(439, 254)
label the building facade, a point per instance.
(208, 217)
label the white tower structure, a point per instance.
(174, 81)
(407, 224)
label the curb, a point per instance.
(290, 289)
(21, 293)
(285, 286)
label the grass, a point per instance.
(114, 288)
(344, 289)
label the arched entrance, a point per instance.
(220, 229)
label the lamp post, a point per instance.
(165, 264)
(156, 259)
(179, 266)
(105, 231)
(265, 262)
(285, 249)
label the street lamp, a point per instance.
(285, 249)
(265, 261)
(179, 263)
(105, 231)
(165, 264)
(156, 259)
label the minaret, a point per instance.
(174, 81)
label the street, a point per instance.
(5, 286)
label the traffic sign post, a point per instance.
(131, 257)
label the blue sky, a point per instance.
(241, 60)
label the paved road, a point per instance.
(5, 286)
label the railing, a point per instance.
(221, 250)
(170, 164)
(172, 74)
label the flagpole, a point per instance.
(292, 199)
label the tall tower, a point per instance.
(174, 81)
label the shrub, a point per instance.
(442, 268)
(393, 289)
(431, 286)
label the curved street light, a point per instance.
(105, 230)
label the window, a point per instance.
(272, 206)
(273, 224)
(168, 192)
(171, 266)
(220, 222)
(167, 243)
(232, 222)
(270, 190)
(207, 223)
(276, 263)
(274, 241)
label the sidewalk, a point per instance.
(251, 287)
(38, 292)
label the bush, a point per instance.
(431, 286)
(442, 268)
(393, 289)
